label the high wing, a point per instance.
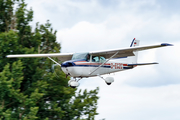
(60, 56)
(124, 52)
(113, 53)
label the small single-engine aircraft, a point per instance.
(97, 63)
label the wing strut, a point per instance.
(104, 63)
(54, 61)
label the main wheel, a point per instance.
(109, 80)
(72, 86)
(108, 83)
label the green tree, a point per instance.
(6, 15)
(29, 88)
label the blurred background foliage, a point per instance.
(29, 88)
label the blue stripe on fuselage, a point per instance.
(127, 67)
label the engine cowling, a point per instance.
(73, 83)
(109, 80)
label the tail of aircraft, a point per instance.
(133, 59)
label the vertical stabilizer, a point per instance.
(134, 43)
(133, 59)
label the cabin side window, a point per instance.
(102, 59)
(98, 59)
(95, 59)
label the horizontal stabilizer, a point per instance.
(138, 64)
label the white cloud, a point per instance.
(124, 102)
(83, 35)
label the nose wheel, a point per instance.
(74, 83)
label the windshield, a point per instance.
(77, 56)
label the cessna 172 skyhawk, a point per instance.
(97, 63)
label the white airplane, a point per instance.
(97, 63)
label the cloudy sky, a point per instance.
(144, 93)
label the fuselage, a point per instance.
(84, 68)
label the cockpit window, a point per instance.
(102, 59)
(98, 59)
(95, 59)
(77, 56)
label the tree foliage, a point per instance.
(29, 89)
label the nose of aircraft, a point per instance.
(67, 64)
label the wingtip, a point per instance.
(8, 56)
(166, 44)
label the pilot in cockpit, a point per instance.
(88, 58)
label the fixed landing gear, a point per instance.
(108, 83)
(108, 80)
(74, 83)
